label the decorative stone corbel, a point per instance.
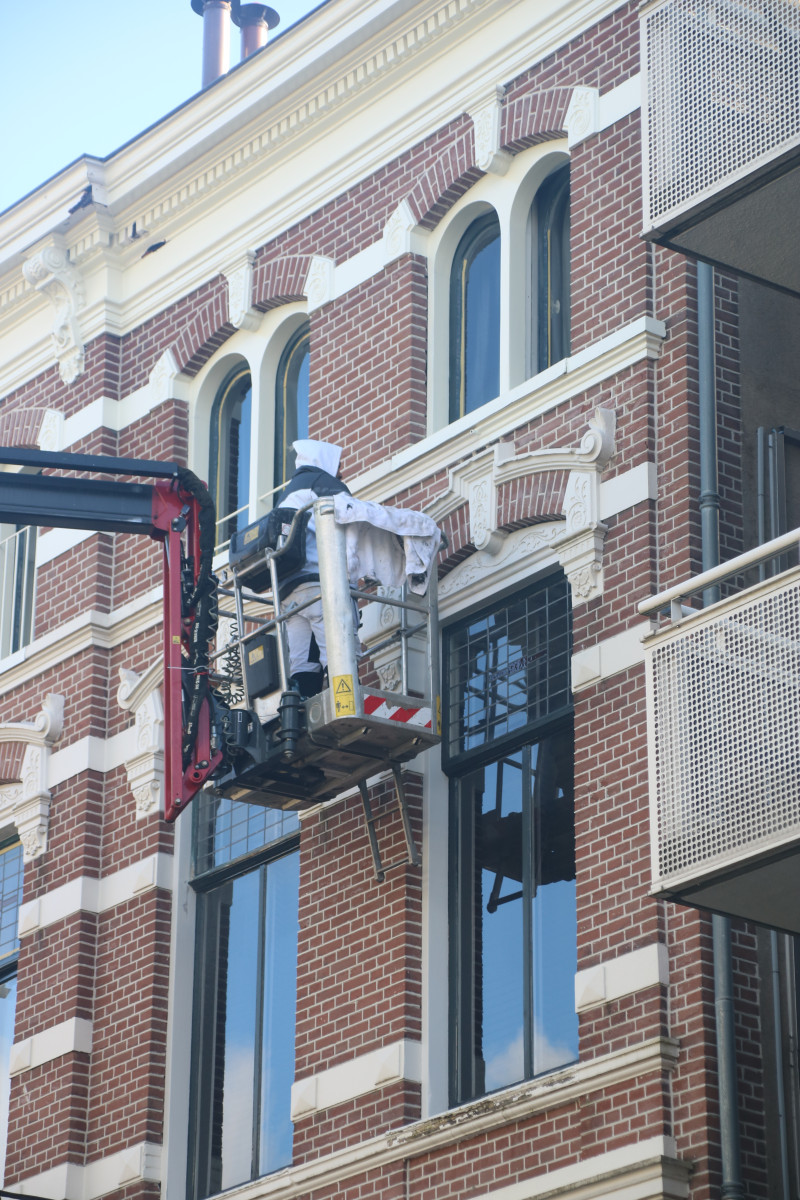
(319, 282)
(241, 313)
(141, 695)
(166, 381)
(50, 271)
(402, 235)
(27, 800)
(486, 120)
(51, 431)
(583, 114)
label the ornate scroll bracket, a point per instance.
(486, 120)
(241, 313)
(50, 271)
(578, 538)
(26, 800)
(141, 695)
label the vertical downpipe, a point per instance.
(732, 1188)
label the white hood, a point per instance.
(317, 454)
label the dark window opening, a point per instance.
(291, 407)
(475, 318)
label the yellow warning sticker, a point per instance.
(343, 695)
(255, 655)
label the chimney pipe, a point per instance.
(216, 37)
(255, 22)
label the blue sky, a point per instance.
(83, 78)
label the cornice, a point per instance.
(562, 1087)
(250, 124)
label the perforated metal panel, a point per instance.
(724, 724)
(721, 95)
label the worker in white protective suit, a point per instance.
(316, 474)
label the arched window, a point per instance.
(475, 317)
(291, 401)
(230, 453)
(551, 267)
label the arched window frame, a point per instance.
(291, 401)
(468, 391)
(235, 390)
(550, 267)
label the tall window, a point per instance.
(17, 579)
(10, 900)
(509, 751)
(230, 453)
(551, 266)
(475, 317)
(246, 876)
(291, 402)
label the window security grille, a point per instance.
(508, 670)
(725, 705)
(721, 95)
(226, 830)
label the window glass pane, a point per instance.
(17, 583)
(11, 898)
(278, 1022)
(291, 393)
(230, 457)
(224, 830)
(552, 266)
(499, 934)
(508, 668)
(475, 318)
(236, 1023)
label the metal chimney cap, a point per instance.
(200, 5)
(252, 14)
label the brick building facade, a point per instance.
(412, 229)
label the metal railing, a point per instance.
(723, 704)
(17, 589)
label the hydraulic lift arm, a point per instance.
(175, 510)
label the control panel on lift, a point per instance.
(379, 702)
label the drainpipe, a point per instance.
(216, 37)
(732, 1188)
(255, 22)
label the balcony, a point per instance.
(721, 130)
(723, 714)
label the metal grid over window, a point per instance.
(226, 830)
(724, 728)
(507, 669)
(721, 95)
(10, 899)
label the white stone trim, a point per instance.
(569, 1085)
(622, 976)
(239, 277)
(85, 894)
(88, 629)
(589, 112)
(366, 1073)
(70, 1181)
(641, 339)
(593, 664)
(27, 802)
(69, 1037)
(627, 490)
(645, 1170)
(578, 541)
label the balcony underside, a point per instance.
(749, 227)
(764, 890)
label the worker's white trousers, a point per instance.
(300, 628)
